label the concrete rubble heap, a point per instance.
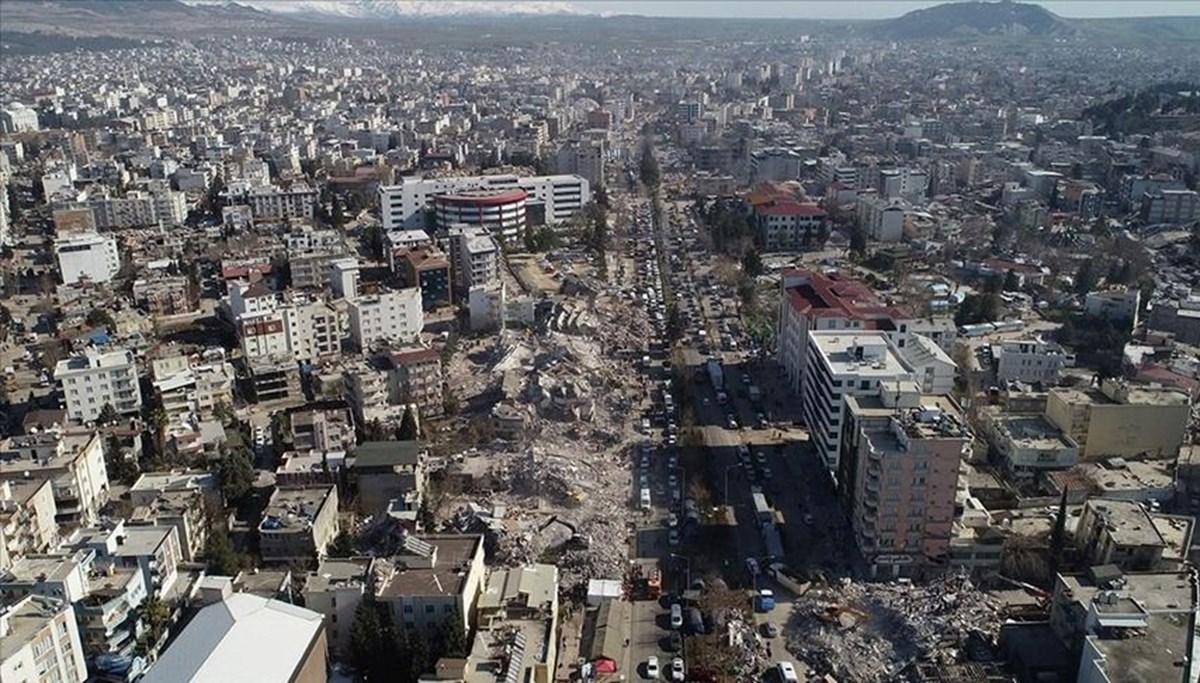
(872, 632)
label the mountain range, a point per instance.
(313, 10)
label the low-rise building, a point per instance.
(1028, 444)
(1121, 419)
(39, 642)
(384, 471)
(433, 582)
(193, 386)
(335, 590)
(185, 511)
(164, 296)
(89, 256)
(225, 642)
(298, 524)
(1118, 305)
(1121, 533)
(881, 219)
(1032, 361)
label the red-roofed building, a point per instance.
(810, 300)
(782, 221)
(415, 377)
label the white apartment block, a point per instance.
(392, 316)
(314, 329)
(881, 219)
(95, 379)
(41, 642)
(89, 255)
(139, 209)
(18, 118)
(344, 276)
(474, 257)
(403, 205)
(186, 388)
(74, 463)
(268, 202)
(1030, 361)
(1116, 305)
(846, 363)
(263, 334)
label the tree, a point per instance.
(452, 639)
(408, 426)
(752, 264)
(154, 615)
(119, 467)
(341, 546)
(373, 240)
(108, 415)
(236, 472)
(1086, 277)
(219, 553)
(978, 308)
(648, 170)
(99, 317)
(158, 425)
(374, 643)
(1058, 537)
(223, 413)
(858, 242)
(336, 217)
(1011, 282)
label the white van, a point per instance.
(787, 672)
(645, 498)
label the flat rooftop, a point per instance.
(1128, 522)
(1151, 654)
(293, 509)
(879, 358)
(175, 481)
(1032, 432)
(1145, 395)
(416, 575)
(26, 621)
(336, 573)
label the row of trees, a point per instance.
(379, 651)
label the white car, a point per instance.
(673, 537)
(787, 672)
(677, 669)
(652, 667)
(676, 616)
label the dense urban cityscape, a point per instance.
(496, 343)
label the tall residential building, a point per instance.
(39, 642)
(160, 206)
(415, 377)
(846, 363)
(17, 118)
(74, 464)
(404, 205)
(898, 478)
(268, 202)
(89, 255)
(96, 379)
(1030, 361)
(881, 219)
(584, 158)
(474, 257)
(810, 301)
(1173, 207)
(394, 316)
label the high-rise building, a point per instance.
(842, 363)
(41, 642)
(394, 316)
(898, 477)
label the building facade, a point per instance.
(96, 379)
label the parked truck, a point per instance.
(716, 375)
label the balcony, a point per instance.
(872, 486)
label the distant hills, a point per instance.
(40, 25)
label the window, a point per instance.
(408, 609)
(429, 609)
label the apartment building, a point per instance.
(415, 378)
(846, 363)
(335, 590)
(521, 601)
(164, 296)
(89, 256)
(784, 224)
(96, 379)
(153, 549)
(1031, 361)
(404, 205)
(39, 642)
(395, 316)
(1028, 445)
(344, 276)
(811, 301)
(268, 202)
(1119, 419)
(72, 462)
(108, 616)
(298, 524)
(137, 208)
(193, 385)
(27, 519)
(435, 578)
(584, 158)
(365, 388)
(387, 471)
(474, 257)
(899, 478)
(1118, 305)
(428, 269)
(314, 328)
(186, 511)
(880, 218)
(1121, 533)
(1171, 207)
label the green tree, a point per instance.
(99, 317)
(858, 242)
(154, 615)
(752, 264)
(452, 638)
(1086, 277)
(407, 431)
(236, 472)
(336, 217)
(158, 426)
(374, 643)
(1058, 536)
(1011, 282)
(120, 468)
(648, 169)
(108, 415)
(341, 546)
(373, 240)
(219, 554)
(223, 413)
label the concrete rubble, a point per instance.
(873, 631)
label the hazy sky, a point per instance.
(868, 9)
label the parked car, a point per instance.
(652, 667)
(677, 672)
(676, 616)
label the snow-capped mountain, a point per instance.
(399, 9)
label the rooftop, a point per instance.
(337, 573)
(1031, 432)
(864, 354)
(443, 574)
(292, 509)
(224, 642)
(372, 454)
(834, 295)
(1149, 655)
(1127, 522)
(27, 618)
(93, 360)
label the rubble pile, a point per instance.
(871, 632)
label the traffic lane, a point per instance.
(646, 637)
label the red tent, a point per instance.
(604, 665)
